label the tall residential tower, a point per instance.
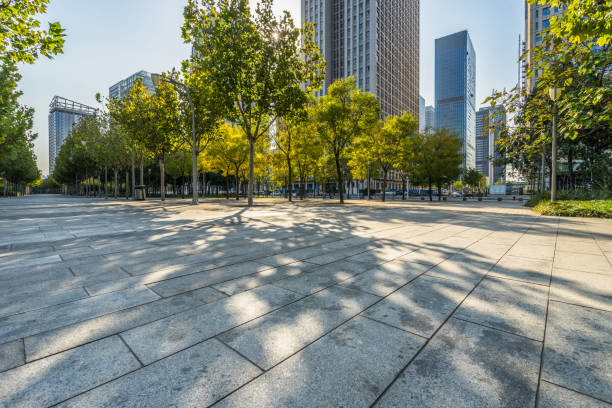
(63, 113)
(376, 42)
(455, 90)
(122, 88)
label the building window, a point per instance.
(545, 24)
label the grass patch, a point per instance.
(574, 208)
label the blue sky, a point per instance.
(108, 40)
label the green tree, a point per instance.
(230, 152)
(473, 178)
(257, 63)
(344, 114)
(21, 39)
(439, 159)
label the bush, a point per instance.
(573, 208)
(572, 195)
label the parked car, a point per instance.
(456, 194)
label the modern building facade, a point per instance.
(430, 117)
(488, 130)
(122, 88)
(455, 90)
(376, 42)
(421, 114)
(537, 19)
(63, 113)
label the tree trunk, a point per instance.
(204, 184)
(404, 188)
(290, 184)
(369, 194)
(127, 184)
(162, 176)
(116, 185)
(194, 176)
(251, 170)
(339, 176)
(142, 171)
(439, 191)
(132, 187)
(237, 184)
(430, 197)
(106, 182)
(227, 183)
(384, 193)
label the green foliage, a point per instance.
(575, 54)
(474, 179)
(343, 115)
(257, 64)
(596, 208)
(573, 195)
(21, 38)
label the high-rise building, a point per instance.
(63, 113)
(122, 88)
(430, 117)
(488, 129)
(376, 42)
(537, 19)
(455, 90)
(421, 114)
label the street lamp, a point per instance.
(554, 94)
(156, 78)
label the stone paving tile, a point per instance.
(348, 367)
(508, 305)
(429, 255)
(582, 262)
(266, 276)
(89, 269)
(163, 337)
(421, 306)
(523, 269)
(271, 338)
(467, 365)
(53, 379)
(578, 349)
(29, 262)
(290, 257)
(538, 252)
(196, 377)
(63, 338)
(461, 268)
(182, 284)
(583, 246)
(553, 396)
(13, 306)
(322, 277)
(38, 321)
(11, 355)
(385, 278)
(582, 288)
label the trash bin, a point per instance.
(140, 193)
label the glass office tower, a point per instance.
(430, 117)
(122, 88)
(63, 113)
(487, 154)
(455, 90)
(376, 42)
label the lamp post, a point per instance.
(156, 78)
(554, 94)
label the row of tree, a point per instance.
(250, 70)
(575, 56)
(21, 41)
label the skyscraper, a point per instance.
(376, 42)
(430, 117)
(488, 129)
(421, 114)
(122, 88)
(537, 19)
(63, 113)
(455, 78)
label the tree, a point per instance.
(473, 178)
(344, 114)
(230, 151)
(257, 63)
(439, 158)
(307, 150)
(21, 39)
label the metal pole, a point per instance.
(194, 153)
(553, 183)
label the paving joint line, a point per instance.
(578, 392)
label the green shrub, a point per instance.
(575, 195)
(574, 208)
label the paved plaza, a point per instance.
(109, 303)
